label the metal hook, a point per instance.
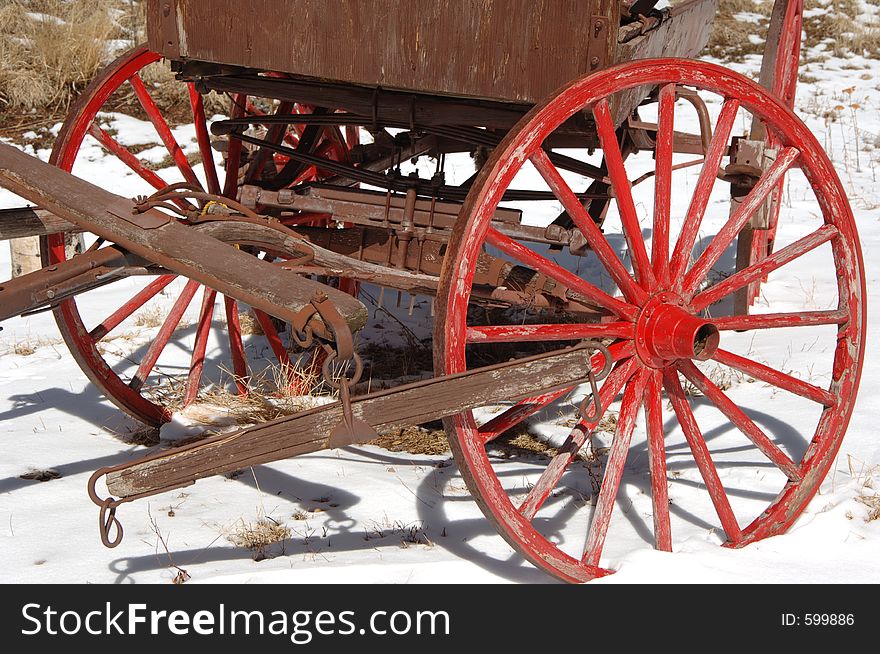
(107, 521)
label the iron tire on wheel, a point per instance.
(662, 284)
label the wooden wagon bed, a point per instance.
(515, 51)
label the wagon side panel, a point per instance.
(510, 50)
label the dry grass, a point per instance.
(259, 536)
(151, 317)
(51, 49)
(414, 440)
(837, 26)
(729, 40)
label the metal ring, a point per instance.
(328, 377)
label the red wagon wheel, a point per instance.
(85, 323)
(666, 324)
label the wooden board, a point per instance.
(509, 50)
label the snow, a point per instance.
(368, 515)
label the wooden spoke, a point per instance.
(559, 274)
(626, 422)
(236, 347)
(558, 332)
(516, 414)
(717, 149)
(528, 407)
(567, 453)
(165, 331)
(657, 462)
(125, 156)
(588, 227)
(779, 320)
(200, 347)
(663, 184)
(703, 459)
(112, 321)
(761, 269)
(745, 424)
(204, 139)
(632, 231)
(274, 340)
(171, 144)
(738, 220)
(776, 378)
(233, 153)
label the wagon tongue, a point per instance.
(336, 424)
(162, 240)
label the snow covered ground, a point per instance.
(364, 514)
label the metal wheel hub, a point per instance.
(667, 331)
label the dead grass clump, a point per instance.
(24, 349)
(730, 40)
(840, 27)
(519, 441)
(51, 49)
(414, 440)
(259, 536)
(152, 317)
(873, 504)
(250, 326)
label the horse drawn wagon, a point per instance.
(619, 223)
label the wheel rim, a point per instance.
(662, 279)
(83, 335)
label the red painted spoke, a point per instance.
(596, 239)
(694, 218)
(779, 320)
(776, 378)
(738, 220)
(566, 332)
(626, 422)
(274, 135)
(556, 272)
(567, 453)
(632, 231)
(236, 347)
(168, 326)
(274, 340)
(112, 321)
(204, 139)
(197, 363)
(663, 184)
(657, 463)
(525, 408)
(703, 459)
(125, 156)
(516, 414)
(745, 424)
(233, 152)
(762, 268)
(171, 144)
